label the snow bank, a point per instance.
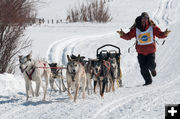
(11, 83)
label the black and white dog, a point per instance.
(56, 73)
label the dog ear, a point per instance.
(29, 56)
(78, 58)
(73, 57)
(20, 56)
(69, 59)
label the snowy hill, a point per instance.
(132, 101)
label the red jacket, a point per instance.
(145, 49)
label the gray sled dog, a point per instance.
(89, 75)
(76, 76)
(56, 73)
(114, 68)
(34, 71)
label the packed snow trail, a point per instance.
(131, 101)
(163, 15)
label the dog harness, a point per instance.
(108, 66)
(30, 74)
(97, 74)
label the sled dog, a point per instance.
(56, 73)
(103, 74)
(89, 75)
(34, 70)
(76, 76)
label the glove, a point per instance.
(166, 32)
(121, 32)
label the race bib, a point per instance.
(144, 38)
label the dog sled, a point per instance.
(114, 52)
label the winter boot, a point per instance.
(146, 84)
(153, 73)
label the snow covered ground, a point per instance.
(54, 42)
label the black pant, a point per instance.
(147, 62)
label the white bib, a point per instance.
(146, 37)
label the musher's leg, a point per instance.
(144, 69)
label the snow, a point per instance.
(133, 101)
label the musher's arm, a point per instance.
(158, 33)
(128, 36)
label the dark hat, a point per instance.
(145, 14)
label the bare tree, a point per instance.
(15, 16)
(94, 11)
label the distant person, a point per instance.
(145, 30)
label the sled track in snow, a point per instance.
(165, 9)
(67, 46)
(166, 12)
(125, 100)
(162, 10)
(55, 49)
(152, 102)
(31, 106)
(160, 16)
(166, 58)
